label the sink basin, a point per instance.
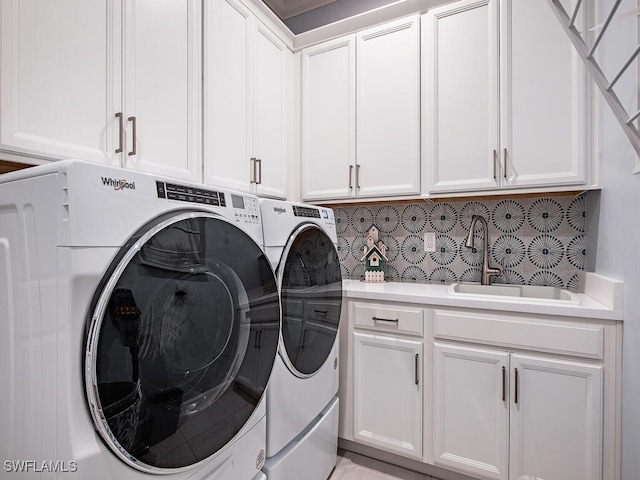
(525, 293)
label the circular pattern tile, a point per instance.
(547, 279)
(508, 250)
(414, 274)
(574, 282)
(443, 275)
(342, 220)
(391, 274)
(509, 277)
(357, 247)
(577, 252)
(412, 249)
(545, 215)
(508, 216)
(442, 217)
(361, 219)
(414, 218)
(358, 272)
(545, 251)
(577, 213)
(446, 250)
(343, 248)
(387, 219)
(344, 271)
(393, 247)
(472, 256)
(471, 275)
(469, 210)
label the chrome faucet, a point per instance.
(487, 272)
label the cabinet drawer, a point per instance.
(323, 311)
(516, 331)
(388, 318)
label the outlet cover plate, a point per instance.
(430, 242)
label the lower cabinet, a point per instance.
(504, 415)
(387, 403)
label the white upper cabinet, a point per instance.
(388, 109)
(361, 114)
(328, 119)
(60, 78)
(162, 45)
(505, 99)
(247, 102)
(86, 80)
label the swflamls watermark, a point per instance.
(52, 466)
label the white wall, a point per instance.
(617, 242)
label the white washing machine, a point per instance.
(302, 403)
(139, 326)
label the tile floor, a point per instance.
(352, 466)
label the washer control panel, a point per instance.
(245, 209)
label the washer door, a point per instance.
(181, 341)
(311, 291)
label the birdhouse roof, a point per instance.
(371, 251)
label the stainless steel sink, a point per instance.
(525, 293)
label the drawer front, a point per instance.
(388, 318)
(323, 311)
(520, 332)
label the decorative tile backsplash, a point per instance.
(540, 241)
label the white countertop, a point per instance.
(437, 295)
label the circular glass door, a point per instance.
(181, 341)
(311, 292)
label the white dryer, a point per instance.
(139, 326)
(302, 403)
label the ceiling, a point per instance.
(304, 15)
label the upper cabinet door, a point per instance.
(272, 114)
(162, 87)
(60, 78)
(388, 109)
(460, 45)
(329, 120)
(544, 96)
(228, 71)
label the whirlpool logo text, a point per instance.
(118, 184)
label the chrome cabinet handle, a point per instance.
(417, 367)
(358, 177)
(505, 163)
(120, 133)
(252, 168)
(495, 160)
(133, 149)
(259, 169)
(378, 319)
(350, 177)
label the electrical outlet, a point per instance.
(430, 242)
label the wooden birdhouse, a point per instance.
(375, 253)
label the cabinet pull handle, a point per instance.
(259, 169)
(133, 150)
(378, 319)
(324, 312)
(516, 390)
(358, 178)
(304, 334)
(350, 177)
(259, 339)
(255, 340)
(120, 133)
(505, 163)
(417, 367)
(495, 160)
(252, 168)
(504, 382)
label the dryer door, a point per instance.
(311, 291)
(181, 340)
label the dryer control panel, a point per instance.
(245, 209)
(183, 193)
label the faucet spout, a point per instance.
(487, 271)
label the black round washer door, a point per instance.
(311, 292)
(180, 342)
